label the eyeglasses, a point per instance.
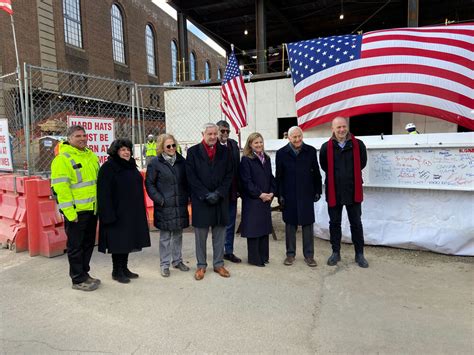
(169, 146)
(223, 131)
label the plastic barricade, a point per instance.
(148, 202)
(46, 235)
(13, 226)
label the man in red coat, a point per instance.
(342, 158)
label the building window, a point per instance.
(219, 74)
(150, 50)
(118, 43)
(72, 22)
(207, 71)
(192, 66)
(174, 62)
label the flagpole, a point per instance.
(20, 89)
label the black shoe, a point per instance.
(181, 267)
(120, 277)
(334, 258)
(259, 265)
(129, 274)
(233, 258)
(361, 261)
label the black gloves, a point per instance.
(317, 197)
(212, 198)
(281, 202)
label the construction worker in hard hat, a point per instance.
(149, 151)
(74, 183)
(411, 128)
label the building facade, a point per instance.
(132, 40)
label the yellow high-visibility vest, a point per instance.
(150, 149)
(74, 180)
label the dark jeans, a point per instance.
(258, 250)
(354, 212)
(230, 228)
(80, 244)
(308, 240)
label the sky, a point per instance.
(172, 12)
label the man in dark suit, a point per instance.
(342, 158)
(209, 174)
(298, 188)
(234, 151)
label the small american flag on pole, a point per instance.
(427, 70)
(234, 95)
(6, 5)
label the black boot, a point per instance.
(126, 271)
(334, 258)
(118, 269)
(361, 261)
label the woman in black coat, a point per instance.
(258, 188)
(166, 185)
(123, 226)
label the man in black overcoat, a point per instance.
(298, 188)
(209, 173)
(342, 158)
(233, 147)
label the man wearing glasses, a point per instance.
(234, 192)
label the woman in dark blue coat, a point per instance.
(258, 188)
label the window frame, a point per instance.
(118, 43)
(192, 66)
(174, 61)
(207, 70)
(69, 21)
(150, 52)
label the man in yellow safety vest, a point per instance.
(73, 181)
(149, 151)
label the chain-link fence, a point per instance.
(10, 108)
(55, 99)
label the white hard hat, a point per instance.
(410, 126)
(150, 136)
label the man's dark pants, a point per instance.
(230, 228)
(80, 244)
(308, 240)
(354, 213)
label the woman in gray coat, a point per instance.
(166, 185)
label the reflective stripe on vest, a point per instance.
(58, 180)
(82, 184)
(76, 202)
(75, 167)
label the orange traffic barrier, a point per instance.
(148, 202)
(46, 235)
(13, 226)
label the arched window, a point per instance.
(219, 74)
(174, 62)
(192, 66)
(207, 72)
(150, 50)
(72, 22)
(118, 42)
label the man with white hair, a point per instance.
(342, 158)
(209, 174)
(298, 188)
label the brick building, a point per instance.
(124, 39)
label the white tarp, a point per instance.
(413, 215)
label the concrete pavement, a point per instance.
(405, 302)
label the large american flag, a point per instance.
(234, 95)
(6, 5)
(427, 70)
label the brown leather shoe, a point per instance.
(222, 271)
(310, 262)
(199, 275)
(289, 260)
